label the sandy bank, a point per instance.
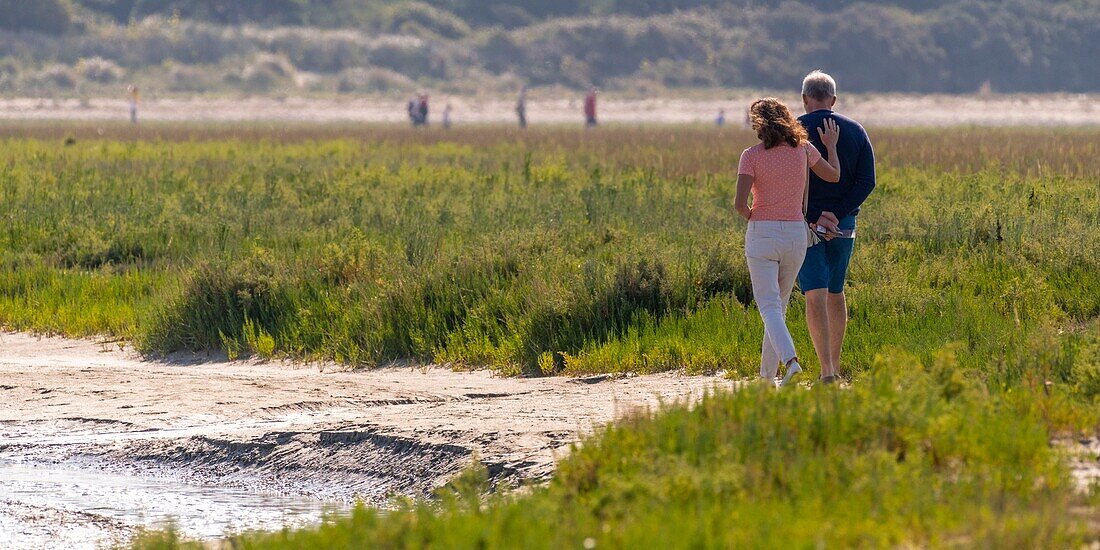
(282, 428)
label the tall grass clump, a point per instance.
(233, 307)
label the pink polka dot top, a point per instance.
(779, 179)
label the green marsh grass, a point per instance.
(537, 252)
(974, 338)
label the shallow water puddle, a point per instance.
(55, 505)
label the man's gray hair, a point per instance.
(819, 85)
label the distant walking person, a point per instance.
(413, 112)
(590, 107)
(775, 172)
(721, 120)
(833, 207)
(422, 110)
(521, 107)
(447, 117)
(135, 97)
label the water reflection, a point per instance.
(96, 497)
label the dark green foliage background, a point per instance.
(873, 46)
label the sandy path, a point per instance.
(873, 110)
(292, 429)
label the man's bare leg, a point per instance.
(838, 324)
(817, 319)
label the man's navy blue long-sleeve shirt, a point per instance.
(857, 167)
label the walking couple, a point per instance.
(808, 178)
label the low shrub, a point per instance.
(93, 252)
(100, 70)
(223, 302)
(56, 76)
(190, 78)
(265, 73)
(368, 80)
(406, 17)
(1085, 372)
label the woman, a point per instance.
(135, 97)
(775, 170)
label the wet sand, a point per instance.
(144, 440)
(877, 110)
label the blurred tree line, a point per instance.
(871, 45)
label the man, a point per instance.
(590, 107)
(411, 109)
(521, 107)
(422, 110)
(834, 206)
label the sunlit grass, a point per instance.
(527, 252)
(974, 335)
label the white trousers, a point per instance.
(774, 251)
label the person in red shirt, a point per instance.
(590, 107)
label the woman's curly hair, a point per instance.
(774, 123)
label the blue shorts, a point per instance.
(826, 264)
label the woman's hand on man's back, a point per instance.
(829, 134)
